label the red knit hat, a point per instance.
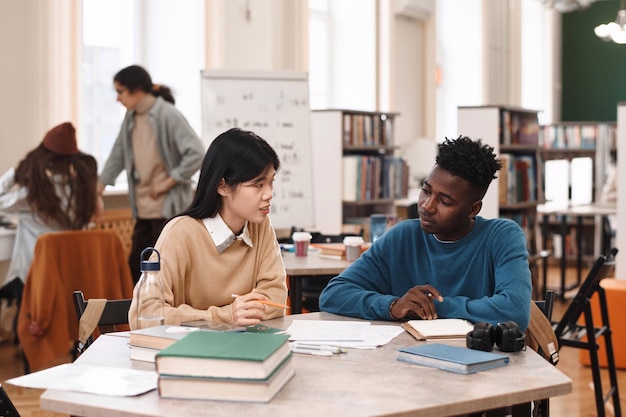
(61, 139)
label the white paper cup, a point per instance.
(301, 241)
(353, 247)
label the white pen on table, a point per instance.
(312, 352)
(322, 348)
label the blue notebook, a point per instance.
(452, 358)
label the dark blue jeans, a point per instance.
(145, 234)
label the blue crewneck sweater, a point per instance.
(482, 277)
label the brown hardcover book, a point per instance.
(158, 337)
(336, 249)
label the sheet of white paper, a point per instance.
(90, 379)
(373, 336)
(327, 331)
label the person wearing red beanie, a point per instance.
(54, 188)
(61, 139)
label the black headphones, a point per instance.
(507, 336)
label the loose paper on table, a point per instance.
(352, 334)
(90, 379)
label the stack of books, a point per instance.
(146, 343)
(232, 366)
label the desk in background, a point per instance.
(359, 383)
(598, 212)
(313, 266)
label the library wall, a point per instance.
(592, 70)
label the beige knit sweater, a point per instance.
(199, 281)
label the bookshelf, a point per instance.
(570, 140)
(518, 190)
(356, 171)
(565, 144)
(514, 135)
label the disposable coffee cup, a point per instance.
(353, 247)
(301, 242)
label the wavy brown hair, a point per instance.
(78, 177)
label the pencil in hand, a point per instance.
(273, 304)
(267, 302)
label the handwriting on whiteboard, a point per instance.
(278, 111)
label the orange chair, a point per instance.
(615, 290)
(91, 261)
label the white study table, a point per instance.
(359, 383)
(579, 211)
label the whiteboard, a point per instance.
(275, 106)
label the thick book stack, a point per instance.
(231, 366)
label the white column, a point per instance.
(620, 272)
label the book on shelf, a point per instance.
(456, 359)
(226, 389)
(503, 179)
(438, 328)
(158, 337)
(224, 355)
(347, 128)
(350, 164)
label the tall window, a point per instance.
(536, 48)
(342, 54)
(118, 33)
(106, 49)
(319, 60)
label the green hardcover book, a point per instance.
(224, 355)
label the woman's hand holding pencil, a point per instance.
(266, 302)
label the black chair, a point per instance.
(584, 336)
(115, 313)
(547, 304)
(540, 408)
(6, 406)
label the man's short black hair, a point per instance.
(468, 159)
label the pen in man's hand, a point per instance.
(431, 295)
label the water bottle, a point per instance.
(150, 297)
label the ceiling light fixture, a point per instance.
(567, 6)
(614, 31)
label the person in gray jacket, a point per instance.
(159, 151)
